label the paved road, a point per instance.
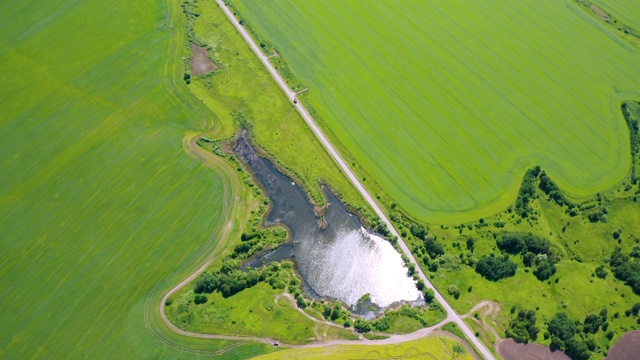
(451, 314)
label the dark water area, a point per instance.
(341, 261)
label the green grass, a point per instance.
(406, 319)
(242, 85)
(583, 246)
(101, 208)
(627, 11)
(438, 347)
(445, 104)
(251, 312)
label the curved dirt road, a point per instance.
(452, 316)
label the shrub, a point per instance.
(200, 299)
(362, 325)
(523, 327)
(453, 290)
(495, 268)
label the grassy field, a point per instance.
(101, 208)
(243, 86)
(627, 11)
(574, 288)
(445, 104)
(427, 348)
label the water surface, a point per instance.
(343, 261)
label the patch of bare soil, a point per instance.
(511, 350)
(626, 348)
(200, 62)
(601, 14)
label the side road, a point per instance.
(451, 314)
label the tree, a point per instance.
(577, 350)
(635, 309)
(601, 272)
(625, 269)
(495, 268)
(544, 270)
(561, 328)
(382, 324)
(418, 231)
(592, 324)
(523, 327)
(434, 248)
(453, 290)
(337, 311)
(471, 244)
(206, 283)
(362, 325)
(200, 299)
(429, 295)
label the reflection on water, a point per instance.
(342, 261)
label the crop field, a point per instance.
(426, 348)
(627, 11)
(99, 202)
(446, 103)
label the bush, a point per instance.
(429, 295)
(434, 248)
(362, 326)
(382, 324)
(592, 324)
(495, 268)
(521, 243)
(523, 327)
(544, 270)
(200, 299)
(601, 272)
(418, 231)
(625, 269)
(561, 328)
(453, 290)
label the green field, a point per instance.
(426, 348)
(101, 208)
(445, 104)
(243, 86)
(627, 11)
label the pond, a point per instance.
(336, 258)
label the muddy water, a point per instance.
(343, 261)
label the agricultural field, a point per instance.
(425, 348)
(627, 11)
(446, 104)
(101, 208)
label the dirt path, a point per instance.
(452, 316)
(490, 312)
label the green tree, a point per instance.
(200, 299)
